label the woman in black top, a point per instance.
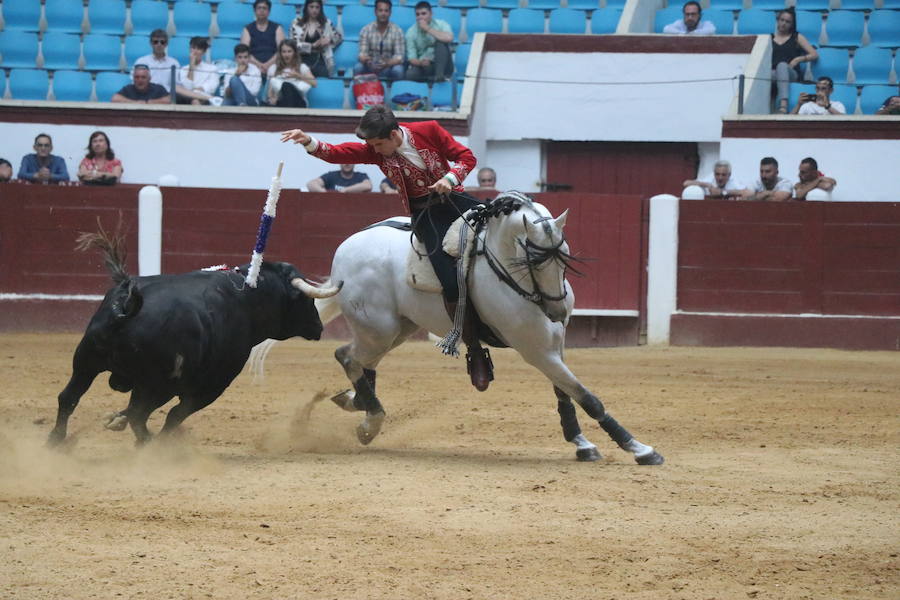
(316, 38)
(789, 49)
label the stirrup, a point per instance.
(480, 367)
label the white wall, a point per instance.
(865, 170)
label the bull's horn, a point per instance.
(314, 291)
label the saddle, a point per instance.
(420, 273)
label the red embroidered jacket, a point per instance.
(433, 143)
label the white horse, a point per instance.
(517, 283)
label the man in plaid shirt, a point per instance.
(381, 45)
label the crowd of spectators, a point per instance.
(98, 167)
(722, 185)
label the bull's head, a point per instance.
(301, 317)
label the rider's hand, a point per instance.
(441, 187)
(295, 135)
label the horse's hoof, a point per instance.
(654, 458)
(587, 454)
(369, 429)
(345, 400)
(116, 421)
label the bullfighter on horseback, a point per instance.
(417, 158)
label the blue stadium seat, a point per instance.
(525, 20)
(452, 16)
(884, 28)
(665, 16)
(102, 52)
(345, 57)
(549, 5)
(284, 15)
(180, 49)
(461, 59)
(832, 62)
(872, 64)
(873, 97)
(28, 84)
(107, 16)
(353, 19)
(722, 19)
(487, 20)
(768, 5)
(222, 48)
(753, 21)
(2, 84)
(21, 15)
(890, 4)
(819, 5)
(64, 16)
(615, 3)
(586, 4)
(795, 90)
(726, 5)
(568, 20)
(232, 17)
(328, 93)
(605, 20)
(442, 96)
(331, 13)
(19, 49)
(499, 4)
(809, 23)
(404, 86)
(845, 28)
(61, 50)
(404, 17)
(108, 83)
(135, 47)
(858, 5)
(147, 15)
(459, 4)
(72, 86)
(191, 19)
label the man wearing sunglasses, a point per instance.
(43, 167)
(159, 63)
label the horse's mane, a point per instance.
(504, 204)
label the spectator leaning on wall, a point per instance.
(691, 24)
(42, 166)
(720, 183)
(6, 170)
(891, 106)
(142, 90)
(770, 186)
(811, 178)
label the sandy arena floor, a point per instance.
(781, 481)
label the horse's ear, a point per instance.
(561, 219)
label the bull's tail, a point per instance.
(329, 308)
(112, 244)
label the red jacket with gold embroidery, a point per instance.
(433, 143)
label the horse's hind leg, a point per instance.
(586, 451)
(362, 397)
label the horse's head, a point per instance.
(537, 254)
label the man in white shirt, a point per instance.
(159, 63)
(820, 103)
(242, 83)
(769, 186)
(690, 24)
(198, 80)
(720, 184)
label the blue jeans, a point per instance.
(240, 95)
(395, 72)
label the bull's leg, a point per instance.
(585, 450)
(187, 406)
(363, 396)
(141, 405)
(85, 368)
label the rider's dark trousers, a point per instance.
(431, 220)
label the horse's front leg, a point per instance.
(585, 450)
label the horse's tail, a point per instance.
(329, 310)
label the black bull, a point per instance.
(185, 335)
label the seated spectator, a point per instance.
(428, 46)
(811, 178)
(159, 63)
(316, 38)
(382, 47)
(6, 171)
(770, 186)
(242, 83)
(789, 50)
(720, 183)
(262, 36)
(346, 180)
(487, 180)
(43, 167)
(891, 106)
(820, 103)
(100, 166)
(387, 187)
(142, 90)
(289, 78)
(198, 80)
(691, 24)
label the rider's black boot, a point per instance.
(478, 359)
